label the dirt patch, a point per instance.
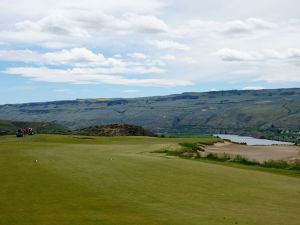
(258, 153)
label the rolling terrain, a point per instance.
(64, 180)
(10, 127)
(210, 112)
(114, 130)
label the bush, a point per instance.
(279, 164)
(169, 152)
(244, 160)
(191, 147)
(213, 156)
(216, 157)
(188, 145)
(2, 133)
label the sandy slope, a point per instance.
(259, 153)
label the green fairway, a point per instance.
(66, 180)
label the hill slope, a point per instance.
(10, 127)
(218, 111)
(114, 130)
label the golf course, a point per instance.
(79, 180)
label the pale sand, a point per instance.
(258, 153)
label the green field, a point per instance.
(65, 180)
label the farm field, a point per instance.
(72, 180)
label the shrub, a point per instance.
(216, 157)
(279, 164)
(213, 156)
(188, 145)
(2, 133)
(244, 160)
(191, 147)
(169, 152)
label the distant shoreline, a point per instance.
(247, 140)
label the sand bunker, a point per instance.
(258, 153)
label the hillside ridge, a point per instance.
(233, 111)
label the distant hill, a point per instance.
(114, 130)
(10, 127)
(186, 113)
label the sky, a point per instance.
(74, 49)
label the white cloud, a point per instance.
(253, 88)
(293, 53)
(179, 59)
(37, 8)
(263, 55)
(137, 55)
(235, 55)
(85, 58)
(65, 28)
(169, 45)
(72, 56)
(137, 39)
(147, 24)
(260, 24)
(279, 73)
(85, 76)
(63, 57)
(231, 28)
(56, 24)
(250, 25)
(168, 57)
(75, 56)
(131, 91)
(26, 56)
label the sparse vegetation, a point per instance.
(244, 160)
(282, 164)
(222, 158)
(114, 130)
(9, 127)
(192, 150)
(192, 146)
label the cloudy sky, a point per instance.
(53, 49)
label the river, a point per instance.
(251, 140)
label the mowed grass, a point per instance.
(65, 180)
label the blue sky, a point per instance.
(51, 50)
